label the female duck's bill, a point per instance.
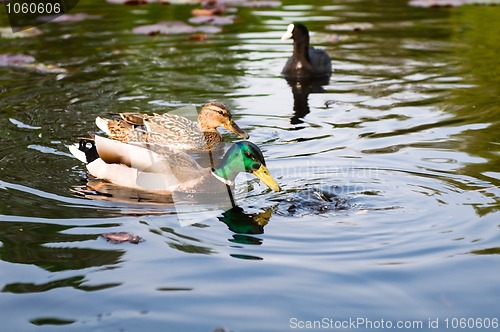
(215, 114)
(306, 61)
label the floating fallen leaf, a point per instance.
(198, 37)
(215, 6)
(122, 237)
(204, 12)
(28, 62)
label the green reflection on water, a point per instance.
(29, 243)
(477, 45)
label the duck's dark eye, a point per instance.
(248, 154)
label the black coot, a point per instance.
(306, 61)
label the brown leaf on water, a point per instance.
(122, 237)
(28, 62)
(198, 37)
(216, 6)
(203, 12)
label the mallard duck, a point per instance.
(306, 61)
(162, 169)
(171, 129)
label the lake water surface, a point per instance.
(390, 208)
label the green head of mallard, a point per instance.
(245, 157)
(215, 114)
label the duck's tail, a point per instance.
(85, 150)
(119, 130)
(103, 124)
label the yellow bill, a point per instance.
(263, 174)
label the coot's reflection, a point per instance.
(301, 88)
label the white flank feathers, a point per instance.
(102, 124)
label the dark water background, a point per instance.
(391, 173)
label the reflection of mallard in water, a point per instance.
(162, 170)
(241, 222)
(173, 130)
(102, 190)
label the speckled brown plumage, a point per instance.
(171, 129)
